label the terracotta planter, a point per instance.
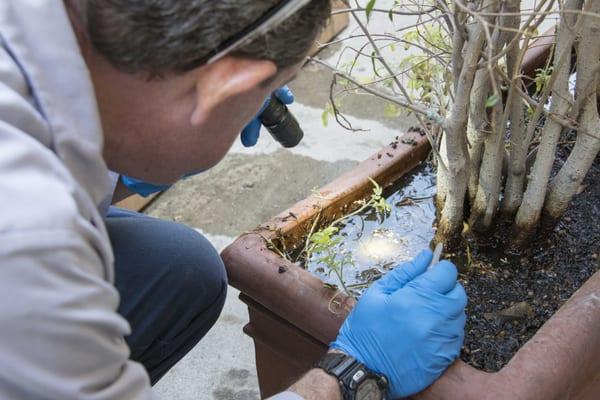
(293, 317)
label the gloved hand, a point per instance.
(409, 325)
(252, 130)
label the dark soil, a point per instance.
(538, 281)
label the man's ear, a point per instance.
(227, 78)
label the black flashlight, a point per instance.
(281, 123)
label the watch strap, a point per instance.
(350, 373)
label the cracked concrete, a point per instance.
(252, 187)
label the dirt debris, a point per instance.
(543, 277)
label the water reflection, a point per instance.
(377, 246)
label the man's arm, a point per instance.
(60, 335)
(317, 385)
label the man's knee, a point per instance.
(197, 267)
(172, 283)
(173, 260)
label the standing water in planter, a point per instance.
(360, 248)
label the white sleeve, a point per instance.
(60, 336)
(286, 396)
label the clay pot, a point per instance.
(293, 316)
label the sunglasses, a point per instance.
(261, 26)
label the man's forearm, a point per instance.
(315, 385)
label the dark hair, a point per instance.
(158, 36)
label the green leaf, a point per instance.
(324, 236)
(542, 77)
(326, 113)
(330, 230)
(377, 189)
(374, 64)
(492, 101)
(530, 111)
(391, 14)
(382, 206)
(369, 8)
(342, 82)
(325, 118)
(391, 110)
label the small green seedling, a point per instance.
(324, 245)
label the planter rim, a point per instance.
(263, 275)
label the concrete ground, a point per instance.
(248, 187)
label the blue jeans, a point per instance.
(172, 284)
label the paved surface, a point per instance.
(248, 187)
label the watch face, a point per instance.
(368, 390)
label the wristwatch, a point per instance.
(356, 381)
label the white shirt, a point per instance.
(60, 334)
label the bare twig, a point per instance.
(435, 117)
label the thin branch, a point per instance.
(427, 112)
(404, 92)
(339, 117)
(380, 10)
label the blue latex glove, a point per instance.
(251, 132)
(409, 325)
(142, 188)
